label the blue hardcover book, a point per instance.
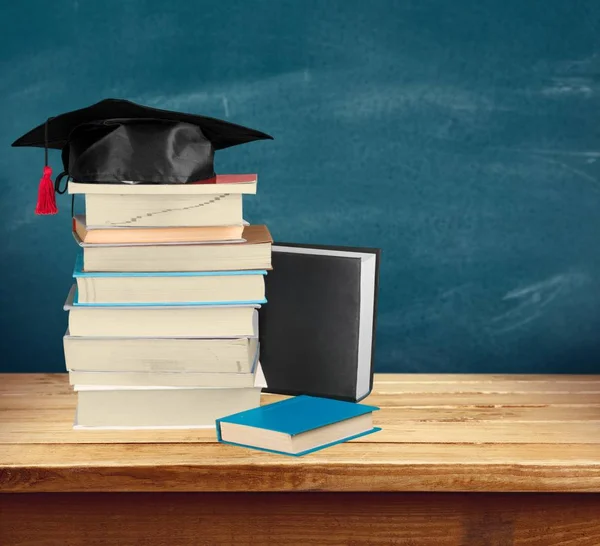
(297, 426)
(131, 289)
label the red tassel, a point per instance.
(46, 203)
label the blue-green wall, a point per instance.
(461, 137)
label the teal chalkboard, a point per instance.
(460, 137)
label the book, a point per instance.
(146, 210)
(317, 332)
(101, 406)
(163, 379)
(158, 407)
(126, 378)
(221, 183)
(139, 235)
(160, 354)
(161, 320)
(253, 254)
(297, 426)
(216, 202)
(199, 287)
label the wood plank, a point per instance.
(299, 519)
(20, 383)
(384, 383)
(454, 425)
(409, 431)
(454, 399)
(383, 378)
(442, 399)
(488, 387)
(488, 432)
(528, 414)
(386, 414)
(576, 455)
(346, 467)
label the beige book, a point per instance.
(148, 210)
(254, 253)
(160, 355)
(156, 407)
(163, 379)
(178, 288)
(198, 321)
(99, 235)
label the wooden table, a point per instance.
(462, 460)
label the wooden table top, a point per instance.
(440, 433)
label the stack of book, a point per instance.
(163, 321)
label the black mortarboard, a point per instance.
(119, 142)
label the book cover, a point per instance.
(136, 235)
(71, 302)
(298, 415)
(79, 272)
(318, 331)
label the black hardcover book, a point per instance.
(317, 331)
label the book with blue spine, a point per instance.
(297, 426)
(97, 289)
(161, 320)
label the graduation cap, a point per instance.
(116, 141)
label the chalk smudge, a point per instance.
(531, 300)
